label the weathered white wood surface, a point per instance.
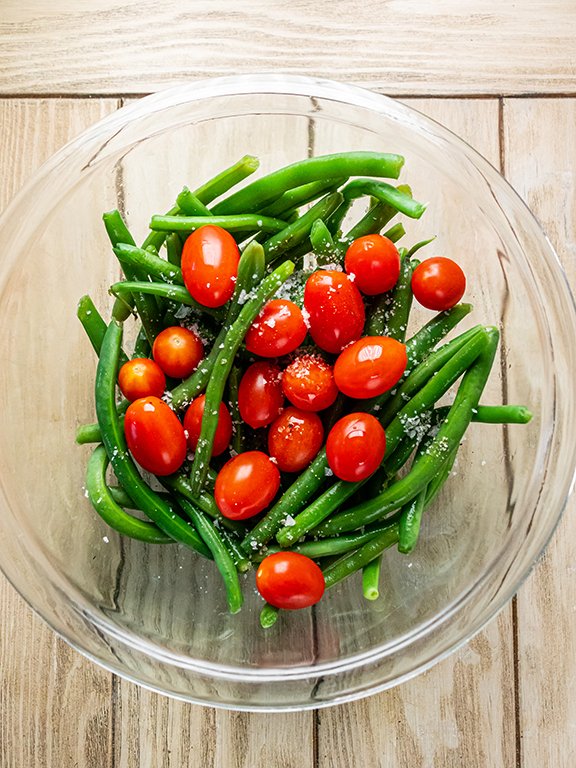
(396, 46)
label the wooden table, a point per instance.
(502, 75)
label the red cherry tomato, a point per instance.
(438, 283)
(246, 485)
(177, 351)
(308, 382)
(335, 310)
(355, 447)
(210, 259)
(370, 366)
(289, 580)
(155, 436)
(260, 397)
(193, 424)
(278, 329)
(141, 377)
(375, 263)
(294, 439)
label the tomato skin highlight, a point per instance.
(210, 259)
(438, 283)
(141, 377)
(308, 382)
(278, 330)
(374, 261)
(155, 436)
(370, 366)
(177, 351)
(246, 485)
(294, 439)
(193, 425)
(335, 309)
(260, 396)
(355, 447)
(290, 581)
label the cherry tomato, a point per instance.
(308, 382)
(335, 309)
(438, 283)
(246, 485)
(193, 424)
(141, 377)
(370, 366)
(289, 580)
(355, 447)
(155, 436)
(294, 439)
(177, 351)
(260, 397)
(375, 263)
(210, 259)
(278, 329)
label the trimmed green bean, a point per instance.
(177, 293)
(115, 444)
(222, 557)
(233, 384)
(502, 414)
(236, 553)
(148, 264)
(322, 242)
(390, 311)
(223, 363)
(266, 190)
(356, 560)
(371, 579)
(395, 233)
(299, 231)
(299, 196)
(249, 222)
(190, 205)
(443, 444)
(92, 322)
(180, 484)
(410, 519)
(174, 249)
(384, 193)
(110, 511)
(118, 232)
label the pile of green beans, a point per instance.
(278, 220)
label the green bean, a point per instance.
(356, 560)
(415, 248)
(148, 264)
(395, 233)
(103, 502)
(295, 198)
(142, 347)
(251, 272)
(444, 443)
(502, 414)
(266, 190)
(249, 222)
(223, 363)
(298, 232)
(195, 384)
(410, 519)
(222, 557)
(322, 242)
(94, 325)
(118, 232)
(236, 553)
(371, 578)
(174, 249)
(390, 311)
(177, 293)
(233, 384)
(384, 193)
(115, 444)
(419, 346)
(180, 484)
(291, 501)
(209, 191)
(268, 616)
(190, 205)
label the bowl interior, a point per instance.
(157, 613)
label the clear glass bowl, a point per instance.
(157, 615)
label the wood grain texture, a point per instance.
(397, 46)
(462, 711)
(54, 704)
(540, 163)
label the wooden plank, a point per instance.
(399, 47)
(54, 704)
(540, 157)
(461, 711)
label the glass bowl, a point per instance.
(157, 615)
